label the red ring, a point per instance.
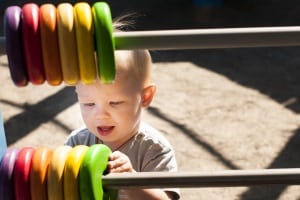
(22, 174)
(32, 43)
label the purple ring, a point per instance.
(14, 47)
(6, 174)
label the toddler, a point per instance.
(112, 115)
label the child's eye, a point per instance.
(115, 103)
(88, 104)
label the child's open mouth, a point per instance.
(105, 130)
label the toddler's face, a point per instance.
(111, 111)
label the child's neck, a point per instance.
(117, 145)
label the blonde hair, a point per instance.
(134, 65)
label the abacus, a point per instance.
(65, 173)
(78, 173)
(56, 44)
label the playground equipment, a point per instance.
(56, 44)
(45, 46)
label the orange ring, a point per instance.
(38, 173)
(67, 43)
(50, 48)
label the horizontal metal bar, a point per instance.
(211, 38)
(226, 178)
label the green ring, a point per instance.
(92, 168)
(105, 45)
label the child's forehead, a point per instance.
(129, 73)
(121, 85)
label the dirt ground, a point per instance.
(221, 109)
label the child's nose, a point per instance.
(101, 112)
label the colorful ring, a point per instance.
(6, 174)
(85, 42)
(49, 42)
(32, 43)
(22, 174)
(67, 43)
(55, 173)
(104, 42)
(14, 48)
(38, 173)
(91, 171)
(71, 172)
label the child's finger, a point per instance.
(120, 169)
(119, 162)
(114, 155)
(126, 167)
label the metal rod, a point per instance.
(212, 38)
(226, 178)
(209, 38)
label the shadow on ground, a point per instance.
(22, 123)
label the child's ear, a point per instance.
(148, 94)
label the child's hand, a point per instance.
(119, 162)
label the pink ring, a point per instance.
(14, 48)
(32, 43)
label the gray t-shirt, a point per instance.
(148, 150)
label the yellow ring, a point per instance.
(67, 43)
(55, 177)
(85, 42)
(71, 172)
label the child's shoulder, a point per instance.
(150, 149)
(149, 134)
(81, 136)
